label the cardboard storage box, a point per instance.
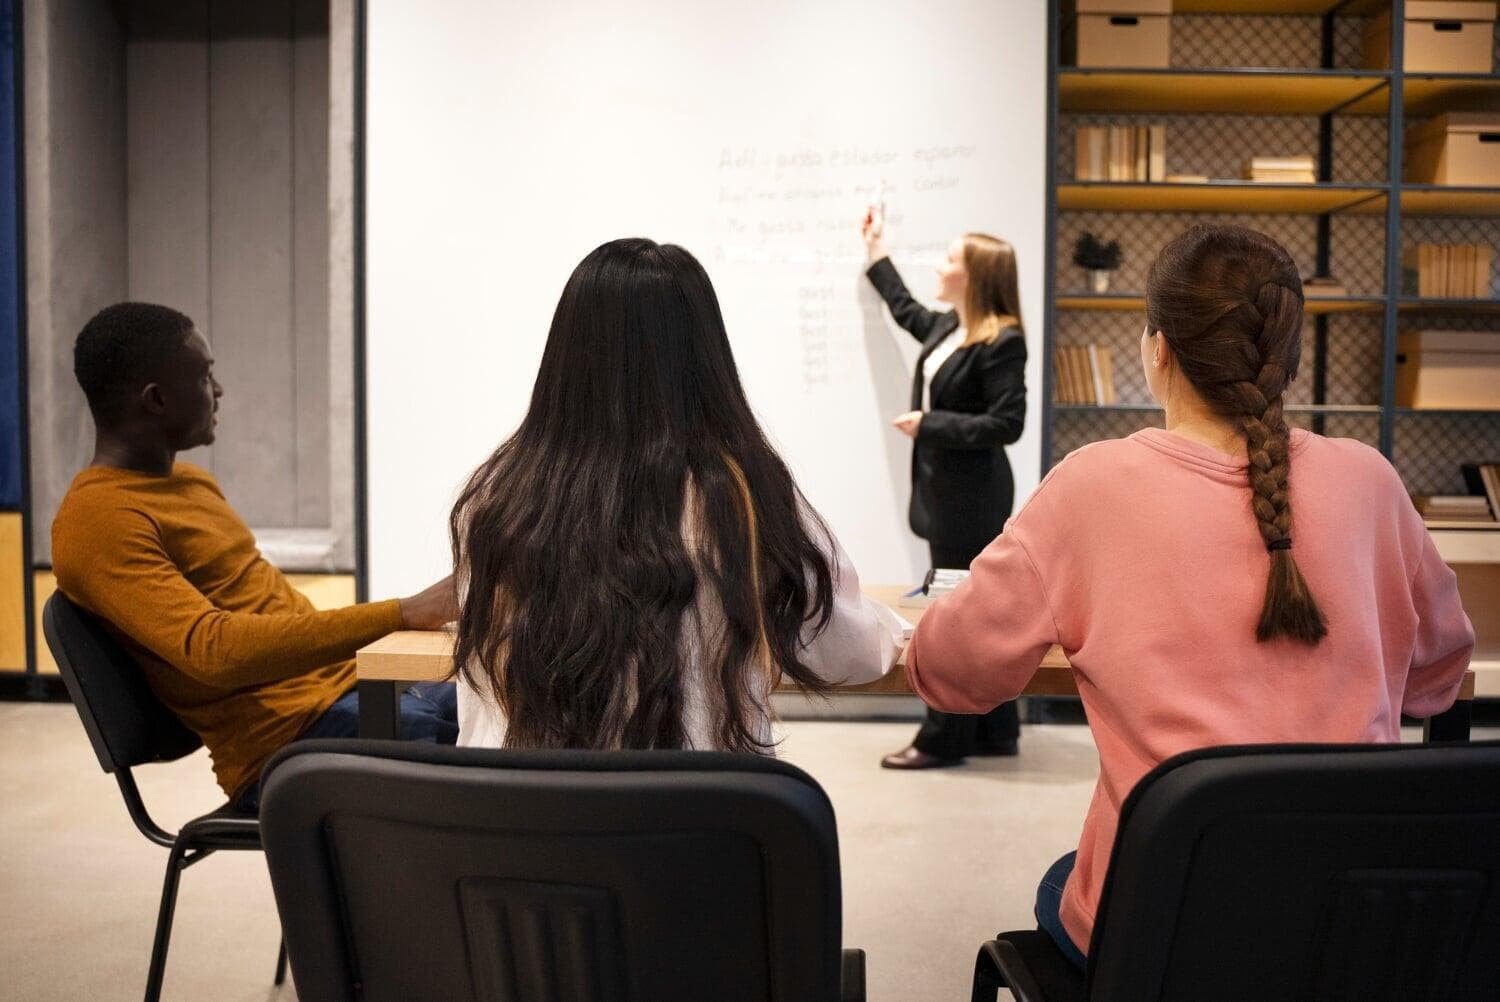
(1457, 148)
(1443, 370)
(1125, 33)
(1441, 37)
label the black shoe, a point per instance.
(911, 758)
(1006, 749)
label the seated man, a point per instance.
(151, 546)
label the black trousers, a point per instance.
(955, 735)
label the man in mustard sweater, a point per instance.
(150, 545)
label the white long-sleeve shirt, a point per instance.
(860, 643)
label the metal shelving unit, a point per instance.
(1352, 223)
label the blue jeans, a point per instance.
(1049, 900)
(429, 712)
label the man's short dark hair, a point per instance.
(121, 349)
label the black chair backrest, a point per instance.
(126, 723)
(1343, 872)
(406, 871)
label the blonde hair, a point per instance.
(992, 302)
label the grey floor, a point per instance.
(934, 863)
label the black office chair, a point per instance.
(1327, 872)
(129, 726)
(406, 871)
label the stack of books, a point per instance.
(1121, 153)
(1322, 287)
(1084, 374)
(1454, 510)
(939, 582)
(1281, 170)
(1447, 271)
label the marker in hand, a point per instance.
(874, 222)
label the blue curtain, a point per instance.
(10, 277)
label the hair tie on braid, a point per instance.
(1284, 543)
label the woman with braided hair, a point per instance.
(1224, 580)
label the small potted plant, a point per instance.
(1099, 259)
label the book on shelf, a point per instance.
(1455, 511)
(1282, 170)
(1323, 287)
(1483, 480)
(1447, 271)
(1084, 374)
(1454, 507)
(1120, 153)
(1187, 178)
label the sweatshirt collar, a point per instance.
(1204, 456)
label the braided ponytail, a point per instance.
(1229, 301)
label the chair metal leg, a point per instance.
(164, 923)
(1450, 725)
(988, 980)
(281, 963)
(852, 978)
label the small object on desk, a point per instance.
(938, 582)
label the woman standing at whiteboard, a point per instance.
(968, 401)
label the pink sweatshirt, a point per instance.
(1141, 558)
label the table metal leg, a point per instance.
(1450, 725)
(379, 709)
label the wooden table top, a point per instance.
(420, 656)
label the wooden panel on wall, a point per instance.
(250, 257)
(325, 591)
(12, 594)
(1479, 587)
(43, 584)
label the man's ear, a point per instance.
(153, 399)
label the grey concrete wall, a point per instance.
(219, 117)
(74, 66)
(341, 209)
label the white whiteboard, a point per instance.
(508, 139)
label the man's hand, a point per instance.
(907, 423)
(432, 608)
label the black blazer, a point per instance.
(961, 483)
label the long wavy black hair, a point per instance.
(638, 485)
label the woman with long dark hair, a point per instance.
(638, 568)
(968, 402)
(1227, 580)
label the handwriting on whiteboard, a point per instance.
(791, 214)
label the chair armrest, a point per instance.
(1013, 969)
(852, 982)
(987, 977)
(999, 965)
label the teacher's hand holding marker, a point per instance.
(873, 230)
(968, 401)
